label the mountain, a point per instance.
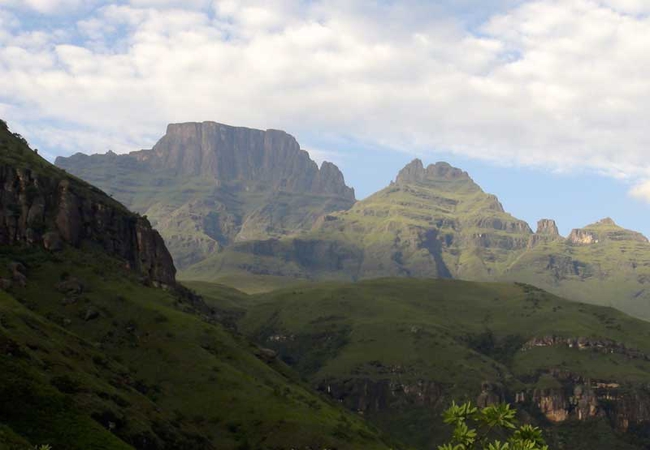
(601, 263)
(398, 351)
(430, 222)
(437, 222)
(250, 209)
(101, 348)
(206, 186)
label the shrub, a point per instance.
(474, 429)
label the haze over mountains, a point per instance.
(235, 204)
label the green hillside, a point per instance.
(601, 263)
(94, 356)
(433, 222)
(399, 350)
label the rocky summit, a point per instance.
(208, 185)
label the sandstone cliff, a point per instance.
(43, 206)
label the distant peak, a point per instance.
(604, 230)
(547, 227)
(606, 221)
(415, 172)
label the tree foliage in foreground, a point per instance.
(474, 429)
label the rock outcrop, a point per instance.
(547, 227)
(604, 230)
(547, 231)
(271, 158)
(586, 344)
(580, 399)
(41, 206)
(371, 396)
(415, 172)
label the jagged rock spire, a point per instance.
(547, 227)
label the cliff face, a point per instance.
(580, 399)
(227, 153)
(42, 206)
(206, 186)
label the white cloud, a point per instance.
(641, 191)
(562, 84)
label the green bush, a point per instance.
(475, 429)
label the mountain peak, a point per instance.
(604, 230)
(607, 221)
(415, 172)
(547, 227)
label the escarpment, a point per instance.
(207, 186)
(42, 206)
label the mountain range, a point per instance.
(101, 347)
(250, 209)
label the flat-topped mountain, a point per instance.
(208, 185)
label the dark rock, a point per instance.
(366, 395)
(91, 314)
(71, 286)
(19, 279)
(17, 267)
(69, 211)
(69, 301)
(491, 394)
(52, 241)
(5, 284)
(267, 355)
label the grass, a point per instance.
(448, 335)
(178, 373)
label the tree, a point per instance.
(474, 429)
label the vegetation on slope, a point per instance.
(89, 355)
(399, 350)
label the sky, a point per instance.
(545, 103)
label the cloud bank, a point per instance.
(559, 84)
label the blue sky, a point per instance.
(544, 102)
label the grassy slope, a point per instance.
(414, 330)
(612, 272)
(615, 271)
(194, 375)
(384, 236)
